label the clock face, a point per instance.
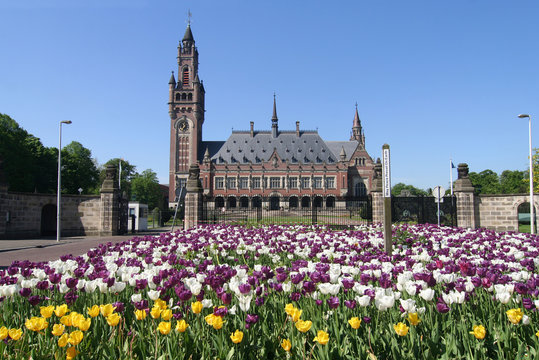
(184, 126)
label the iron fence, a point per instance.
(424, 209)
(331, 210)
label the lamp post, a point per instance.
(59, 194)
(532, 205)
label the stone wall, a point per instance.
(499, 212)
(21, 214)
(496, 212)
(28, 215)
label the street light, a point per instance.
(532, 204)
(59, 194)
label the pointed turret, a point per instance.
(274, 119)
(357, 131)
(172, 80)
(342, 154)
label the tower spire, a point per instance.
(274, 119)
(357, 132)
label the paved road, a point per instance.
(46, 249)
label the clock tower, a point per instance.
(186, 110)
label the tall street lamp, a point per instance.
(59, 194)
(532, 204)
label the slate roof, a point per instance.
(337, 146)
(240, 147)
(212, 146)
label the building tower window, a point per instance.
(185, 77)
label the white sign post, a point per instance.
(386, 190)
(438, 193)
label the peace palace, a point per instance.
(293, 168)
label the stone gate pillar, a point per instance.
(464, 192)
(376, 193)
(193, 198)
(110, 197)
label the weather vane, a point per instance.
(189, 17)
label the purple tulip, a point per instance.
(333, 302)
(351, 304)
(25, 292)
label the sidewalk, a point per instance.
(47, 248)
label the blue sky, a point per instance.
(433, 79)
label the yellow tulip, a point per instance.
(196, 307)
(286, 344)
(15, 334)
(166, 314)
(355, 322)
(322, 337)
(113, 319)
(181, 326)
(296, 314)
(3, 332)
(140, 314)
(160, 303)
(84, 324)
(164, 327)
(62, 341)
(413, 319)
(236, 337)
(36, 323)
(46, 311)
(156, 312)
(515, 315)
(61, 310)
(66, 320)
(75, 337)
(479, 332)
(303, 326)
(536, 334)
(58, 329)
(106, 310)
(217, 322)
(401, 329)
(93, 311)
(209, 319)
(289, 308)
(71, 353)
(76, 318)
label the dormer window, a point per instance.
(185, 77)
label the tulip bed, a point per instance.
(280, 292)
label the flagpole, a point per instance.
(451, 174)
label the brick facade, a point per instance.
(296, 163)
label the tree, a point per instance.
(79, 170)
(514, 182)
(128, 171)
(486, 182)
(28, 165)
(145, 189)
(398, 188)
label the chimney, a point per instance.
(297, 128)
(252, 128)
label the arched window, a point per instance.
(330, 202)
(360, 189)
(317, 202)
(190, 97)
(178, 97)
(219, 202)
(231, 202)
(305, 202)
(185, 77)
(524, 217)
(184, 96)
(274, 203)
(256, 202)
(293, 202)
(244, 202)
